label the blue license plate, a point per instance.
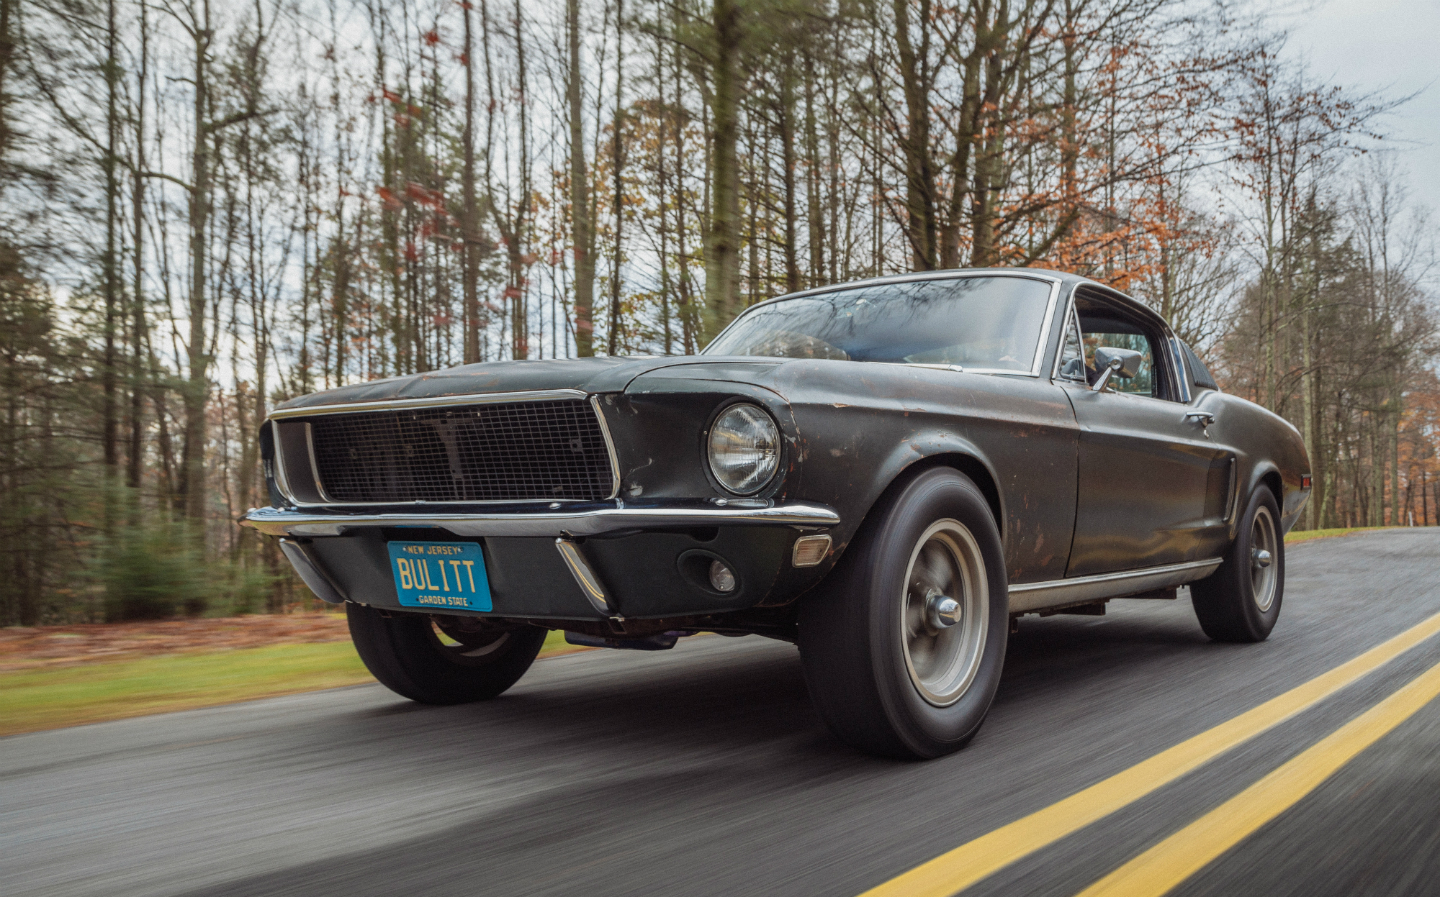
(440, 575)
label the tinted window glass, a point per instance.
(1143, 383)
(1072, 352)
(1199, 374)
(1116, 333)
(986, 323)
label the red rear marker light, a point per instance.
(1305, 481)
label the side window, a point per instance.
(1143, 383)
(1110, 322)
(1072, 352)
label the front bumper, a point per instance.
(590, 522)
(612, 562)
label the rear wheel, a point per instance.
(1240, 601)
(902, 652)
(441, 659)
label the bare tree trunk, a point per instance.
(785, 123)
(137, 364)
(520, 320)
(110, 414)
(916, 82)
(470, 237)
(618, 162)
(1424, 500)
(1398, 403)
(814, 208)
(688, 323)
(581, 222)
(7, 57)
(197, 386)
(722, 238)
(663, 182)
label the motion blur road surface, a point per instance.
(703, 770)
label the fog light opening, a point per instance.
(722, 578)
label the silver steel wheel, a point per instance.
(945, 612)
(1263, 544)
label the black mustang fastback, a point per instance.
(886, 473)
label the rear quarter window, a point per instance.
(1199, 374)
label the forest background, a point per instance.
(206, 208)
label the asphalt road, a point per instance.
(704, 771)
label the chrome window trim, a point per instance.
(1022, 273)
(1074, 318)
(498, 398)
(1033, 596)
(1178, 360)
(281, 522)
(1046, 327)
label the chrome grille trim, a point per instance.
(609, 447)
(490, 398)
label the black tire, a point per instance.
(859, 644)
(405, 653)
(1240, 601)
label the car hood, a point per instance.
(593, 375)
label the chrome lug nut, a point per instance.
(942, 612)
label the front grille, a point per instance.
(515, 451)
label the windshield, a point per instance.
(986, 323)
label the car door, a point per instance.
(1152, 483)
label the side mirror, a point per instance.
(1122, 363)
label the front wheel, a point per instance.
(1240, 601)
(441, 659)
(902, 651)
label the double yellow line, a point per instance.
(1170, 862)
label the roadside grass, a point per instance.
(57, 696)
(1311, 535)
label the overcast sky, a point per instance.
(1385, 44)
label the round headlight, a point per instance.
(744, 449)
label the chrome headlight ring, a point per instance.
(743, 448)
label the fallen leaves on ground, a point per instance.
(23, 648)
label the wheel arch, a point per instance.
(918, 457)
(1271, 479)
(1267, 475)
(979, 473)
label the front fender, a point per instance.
(926, 448)
(1016, 437)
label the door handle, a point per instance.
(1203, 418)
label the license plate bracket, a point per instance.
(440, 575)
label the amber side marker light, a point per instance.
(809, 551)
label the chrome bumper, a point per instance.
(279, 522)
